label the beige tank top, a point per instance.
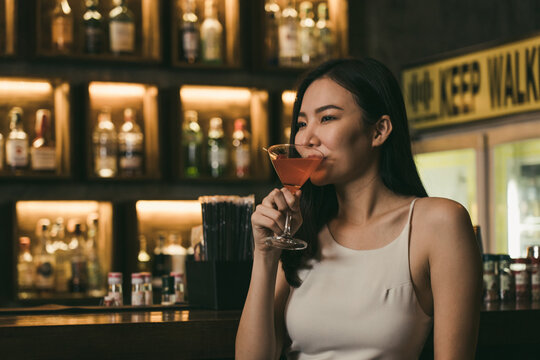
(357, 304)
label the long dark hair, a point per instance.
(377, 93)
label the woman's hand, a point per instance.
(269, 217)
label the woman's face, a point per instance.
(331, 121)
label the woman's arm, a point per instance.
(456, 280)
(261, 331)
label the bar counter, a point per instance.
(506, 331)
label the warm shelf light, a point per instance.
(178, 207)
(25, 208)
(214, 94)
(24, 88)
(106, 90)
(288, 97)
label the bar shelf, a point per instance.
(115, 99)
(147, 34)
(228, 15)
(60, 218)
(30, 95)
(267, 39)
(229, 104)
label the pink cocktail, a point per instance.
(294, 164)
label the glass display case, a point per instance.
(106, 29)
(206, 33)
(35, 128)
(223, 132)
(123, 131)
(299, 34)
(63, 249)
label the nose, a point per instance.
(308, 136)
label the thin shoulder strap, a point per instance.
(411, 211)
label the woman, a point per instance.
(384, 262)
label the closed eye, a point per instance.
(300, 125)
(327, 118)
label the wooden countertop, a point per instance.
(150, 333)
(178, 332)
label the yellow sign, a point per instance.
(485, 84)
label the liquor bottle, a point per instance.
(306, 34)
(62, 27)
(78, 281)
(93, 28)
(61, 255)
(324, 34)
(162, 263)
(93, 268)
(177, 252)
(271, 39)
(105, 146)
(241, 148)
(192, 139)
(143, 258)
(217, 150)
(211, 35)
(45, 264)
(189, 28)
(289, 53)
(43, 151)
(130, 145)
(121, 29)
(17, 141)
(25, 269)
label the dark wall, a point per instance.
(400, 32)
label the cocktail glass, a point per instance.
(294, 164)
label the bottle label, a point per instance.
(62, 32)
(288, 40)
(190, 42)
(137, 298)
(131, 162)
(243, 160)
(43, 158)
(308, 45)
(217, 157)
(94, 37)
(148, 297)
(44, 276)
(25, 275)
(491, 291)
(122, 36)
(212, 46)
(17, 152)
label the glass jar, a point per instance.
(137, 289)
(491, 286)
(506, 279)
(114, 280)
(535, 279)
(522, 279)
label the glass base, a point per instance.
(286, 242)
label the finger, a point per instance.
(261, 221)
(276, 200)
(291, 199)
(276, 215)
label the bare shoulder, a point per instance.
(434, 213)
(443, 225)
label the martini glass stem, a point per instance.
(287, 229)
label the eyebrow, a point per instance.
(322, 108)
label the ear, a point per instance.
(381, 130)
